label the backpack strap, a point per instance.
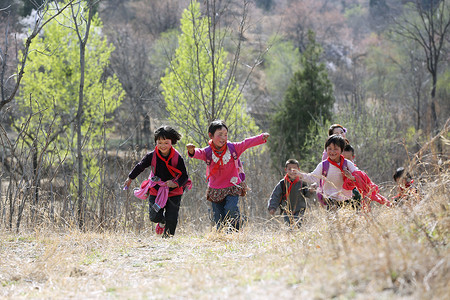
(232, 151)
(153, 164)
(174, 161)
(208, 153)
(237, 161)
(325, 167)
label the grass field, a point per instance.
(391, 253)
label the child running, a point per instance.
(290, 195)
(407, 192)
(166, 182)
(224, 183)
(331, 183)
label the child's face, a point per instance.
(340, 131)
(220, 137)
(402, 181)
(164, 146)
(334, 152)
(291, 171)
(348, 155)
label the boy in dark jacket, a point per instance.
(290, 195)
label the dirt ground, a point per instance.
(260, 262)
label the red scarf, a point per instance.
(341, 164)
(173, 171)
(222, 151)
(348, 183)
(292, 183)
(404, 189)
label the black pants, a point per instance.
(167, 215)
(332, 204)
(293, 218)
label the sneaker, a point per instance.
(160, 228)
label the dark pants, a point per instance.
(167, 215)
(227, 211)
(293, 218)
(332, 204)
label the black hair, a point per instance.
(399, 174)
(349, 148)
(167, 132)
(337, 140)
(216, 125)
(334, 126)
(291, 161)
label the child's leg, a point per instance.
(156, 217)
(219, 212)
(171, 215)
(298, 217)
(232, 210)
(287, 218)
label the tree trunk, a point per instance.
(79, 137)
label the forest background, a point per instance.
(84, 84)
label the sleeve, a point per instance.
(275, 198)
(314, 176)
(199, 153)
(248, 143)
(141, 166)
(351, 166)
(184, 175)
(305, 189)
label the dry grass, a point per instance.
(399, 253)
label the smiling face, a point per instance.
(219, 138)
(164, 146)
(340, 131)
(334, 152)
(291, 171)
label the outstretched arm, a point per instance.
(251, 142)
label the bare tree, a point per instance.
(428, 24)
(82, 27)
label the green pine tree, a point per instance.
(307, 104)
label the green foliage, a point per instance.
(356, 11)
(371, 132)
(308, 101)
(282, 61)
(52, 80)
(163, 49)
(199, 87)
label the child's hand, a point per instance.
(272, 212)
(190, 148)
(127, 183)
(265, 136)
(171, 184)
(313, 187)
(299, 174)
(349, 175)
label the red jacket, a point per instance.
(367, 189)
